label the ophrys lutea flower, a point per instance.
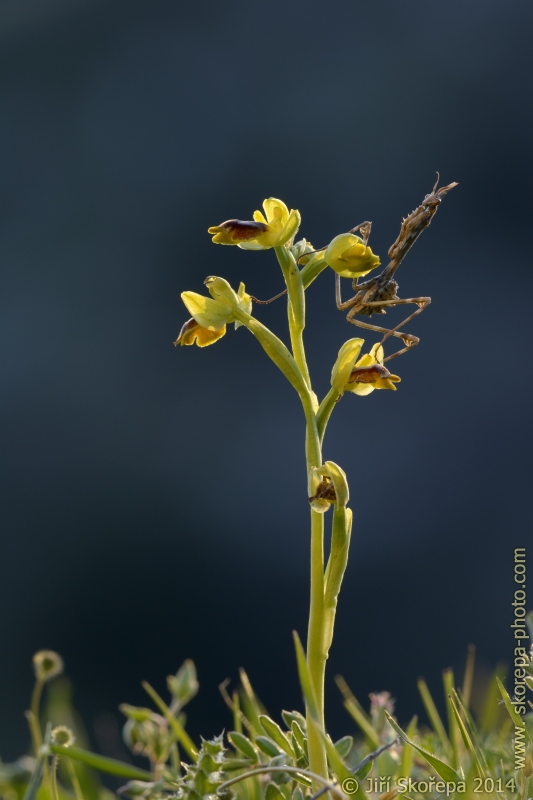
(210, 315)
(364, 375)
(274, 228)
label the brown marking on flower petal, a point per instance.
(325, 491)
(185, 332)
(369, 374)
(243, 230)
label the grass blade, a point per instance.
(444, 770)
(102, 763)
(466, 738)
(434, 716)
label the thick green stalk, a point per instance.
(316, 656)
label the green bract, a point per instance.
(344, 364)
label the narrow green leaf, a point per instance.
(273, 730)
(232, 764)
(344, 745)
(434, 716)
(453, 729)
(517, 719)
(340, 544)
(299, 736)
(471, 728)
(406, 761)
(252, 706)
(466, 738)
(444, 770)
(179, 731)
(363, 771)
(492, 708)
(35, 781)
(340, 769)
(335, 761)
(468, 677)
(267, 746)
(243, 744)
(293, 716)
(354, 709)
(273, 793)
(102, 763)
(306, 683)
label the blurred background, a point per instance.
(154, 499)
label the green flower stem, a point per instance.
(296, 308)
(324, 412)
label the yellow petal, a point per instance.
(290, 228)
(388, 383)
(191, 332)
(209, 313)
(365, 361)
(276, 211)
(361, 389)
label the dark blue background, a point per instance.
(154, 504)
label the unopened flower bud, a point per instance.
(47, 664)
(348, 255)
(327, 486)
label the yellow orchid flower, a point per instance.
(349, 257)
(210, 317)
(275, 227)
(369, 373)
(363, 376)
